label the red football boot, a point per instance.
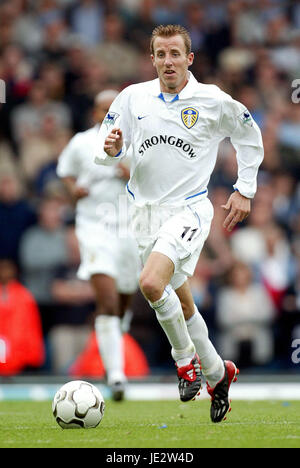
(189, 379)
(220, 403)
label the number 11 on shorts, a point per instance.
(186, 230)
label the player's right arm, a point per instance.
(113, 138)
(76, 192)
(113, 143)
(68, 170)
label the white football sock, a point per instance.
(170, 316)
(109, 339)
(126, 321)
(211, 363)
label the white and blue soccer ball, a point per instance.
(78, 404)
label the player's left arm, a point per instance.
(237, 123)
(238, 208)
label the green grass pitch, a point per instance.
(155, 424)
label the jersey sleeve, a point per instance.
(118, 116)
(237, 123)
(68, 161)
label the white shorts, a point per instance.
(177, 232)
(103, 252)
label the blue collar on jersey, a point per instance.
(187, 92)
(161, 96)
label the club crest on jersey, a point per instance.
(110, 118)
(189, 116)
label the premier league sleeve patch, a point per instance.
(246, 118)
(189, 116)
(110, 118)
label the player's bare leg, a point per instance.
(108, 332)
(155, 285)
(186, 299)
(211, 363)
(219, 374)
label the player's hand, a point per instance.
(239, 208)
(113, 142)
(79, 192)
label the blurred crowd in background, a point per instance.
(55, 56)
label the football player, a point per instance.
(109, 256)
(175, 125)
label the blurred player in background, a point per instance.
(110, 263)
(175, 125)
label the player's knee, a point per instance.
(151, 288)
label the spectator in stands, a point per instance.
(16, 215)
(86, 21)
(286, 56)
(42, 250)
(46, 175)
(56, 38)
(17, 72)
(248, 96)
(8, 163)
(220, 253)
(28, 118)
(75, 64)
(295, 13)
(87, 77)
(7, 20)
(194, 21)
(21, 339)
(52, 76)
(39, 149)
(73, 315)
(289, 139)
(286, 204)
(248, 243)
(141, 26)
(276, 264)
(27, 30)
(289, 321)
(245, 317)
(48, 11)
(167, 12)
(115, 50)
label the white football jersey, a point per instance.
(175, 143)
(77, 160)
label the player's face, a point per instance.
(171, 62)
(101, 110)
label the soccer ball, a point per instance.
(78, 404)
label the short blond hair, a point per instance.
(171, 30)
